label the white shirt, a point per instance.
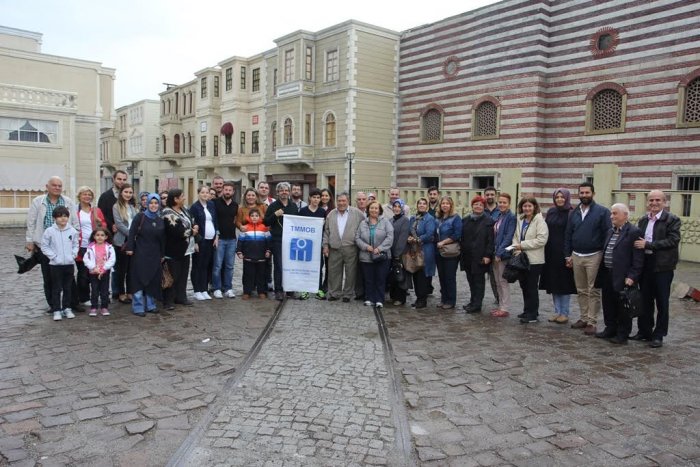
(85, 220)
(649, 232)
(342, 220)
(209, 231)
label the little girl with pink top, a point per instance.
(99, 260)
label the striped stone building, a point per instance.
(532, 95)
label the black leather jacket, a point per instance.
(667, 236)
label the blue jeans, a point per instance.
(225, 255)
(139, 299)
(561, 304)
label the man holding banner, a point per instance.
(274, 220)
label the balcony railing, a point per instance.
(24, 95)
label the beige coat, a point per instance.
(331, 236)
(535, 238)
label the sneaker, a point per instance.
(68, 313)
(321, 295)
(206, 296)
(398, 303)
(527, 320)
(304, 296)
(561, 319)
(553, 318)
(199, 296)
(379, 305)
(105, 312)
(93, 312)
(368, 303)
(230, 293)
(88, 303)
(218, 294)
(57, 316)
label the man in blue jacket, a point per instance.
(584, 241)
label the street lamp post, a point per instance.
(350, 156)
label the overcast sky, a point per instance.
(151, 42)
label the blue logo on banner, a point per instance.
(301, 249)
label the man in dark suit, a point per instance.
(621, 266)
(661, 234)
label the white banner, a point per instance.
(301, 253)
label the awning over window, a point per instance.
(227, 129)
(26, 177)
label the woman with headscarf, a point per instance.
(557, 279)
(402, 225)
(146, 248)
(143, 198)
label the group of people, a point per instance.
(145, 253)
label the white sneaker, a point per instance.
(230, 293)
(206, 295)
(218, 294)
(88, 303)
(57, 316)
(68, 313)
(380, 305)
(368, 303)
(199, 296)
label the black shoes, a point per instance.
(528, 319)
(420, 304)
(332, 299)
(347, 299)
(640, 337)
(469, 308)
(656, 343)
(605, 334)
(619, 340)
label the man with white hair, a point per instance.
(40, 218)
(621, 267)
(662, 234)
(274, 220)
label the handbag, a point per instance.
(398, 275)
(450, 250)
(166, 280)
(382, 256)
(414, 259)
(517, 266)
(631, 298)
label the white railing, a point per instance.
(24, 95)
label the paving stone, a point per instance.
(179, 422)
(160, 412)
(568, 441)
(191, 404)
(49, 422)
(122, 407)
(88, 414)
(20, 407)
(137, 428)
(430, 454)
(540, 432)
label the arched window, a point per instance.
(486, 114)
(273, 130)
(431, 125)
(689, 100)
(164, 151)
(330, 130)
(605, 109)
(288, 140)
(176, 144)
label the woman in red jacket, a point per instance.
(89, 218)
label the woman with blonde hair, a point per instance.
(89, 219)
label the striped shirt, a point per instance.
(608, 256)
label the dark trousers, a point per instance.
(477, 287)
(46, 278)
(179, 269)
(201, 266)
(61, 284)
(254, 277)
(656, 290)
(375, 280)
(420, 285)
(617, 320)
(360, 291)
(99, 290)
(529, 283)
(277, 260)
(82, 279)
(268, 271)
(447, 272)
(121, 270)
(492, 281)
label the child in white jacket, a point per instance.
(99, 259)
(60, 245)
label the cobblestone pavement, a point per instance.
(491, 391)
(468, 390)
(316, 394)
(118, 390)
